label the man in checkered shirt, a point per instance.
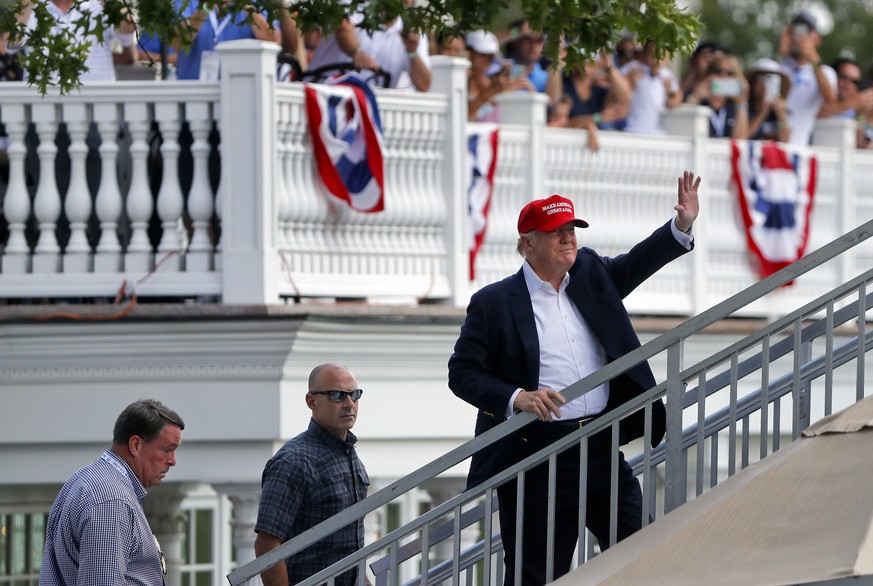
(311, 478)
(97, 532)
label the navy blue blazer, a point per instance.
(497, 351)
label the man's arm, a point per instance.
(275, 575)
(105, 544)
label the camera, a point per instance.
(730, 88)
(800, 29)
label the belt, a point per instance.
(575, 423)
(560, 428)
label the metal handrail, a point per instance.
(456, 456)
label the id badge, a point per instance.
(210, 63)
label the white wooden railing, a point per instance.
(166, 221)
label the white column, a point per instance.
(245, 499)
(529, 110)
(109, 204)
(840, 133)
(693, 121)
(248, 117)
(140, 204)
(47, 202)
(451, 73)
(163, 510)
(77, 204)
(16, 204)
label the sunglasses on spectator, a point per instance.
(340, 396)
(845, 77)
(728, 72)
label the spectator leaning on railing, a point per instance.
(852, 103)
(768, 112)
(725, 91)
(524, 48)
(655, 89)
(702, 56)
(201, 60)
(812, 83)
(489, 76)
(599, 96)
(404, 54)
(101, 59)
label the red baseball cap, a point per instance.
(548, 214)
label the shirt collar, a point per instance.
(119, 464)
(322, 435)
(534, 283)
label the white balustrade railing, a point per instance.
(210, 190)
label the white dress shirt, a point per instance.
(568, 349)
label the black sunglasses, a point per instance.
(848, 78)
(340, 396)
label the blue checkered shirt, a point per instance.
(97, 533)
(311, 478)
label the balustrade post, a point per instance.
(170, 203)
(248, 117)
(140, 202)
(693, 121)
(77, 203)
(200, 199)
(529, 110)
(840, 133)
(47, 201)
(16, 205)
(450, 75)
(109, 204)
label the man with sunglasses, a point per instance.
(852, 103)
(97, 532)
(313, 477)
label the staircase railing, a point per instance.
(759, 374)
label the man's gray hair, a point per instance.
(519, 246)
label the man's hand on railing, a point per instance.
(544, 403)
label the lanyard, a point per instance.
(114, 463)
(718, 120)
(217, 28)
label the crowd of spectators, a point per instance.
(626, 87)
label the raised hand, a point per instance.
(689, 205)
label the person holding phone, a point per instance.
(726, 92)
(813, 84)
(768, 112)
(489, 75)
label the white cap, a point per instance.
(483, 42)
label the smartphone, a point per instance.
(772, 87)
(517, 70)
(728, 87)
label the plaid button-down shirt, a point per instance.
(311, 478)
(97, 532)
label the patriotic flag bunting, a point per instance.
(346, 134)
(481, 164)
(775, 188)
